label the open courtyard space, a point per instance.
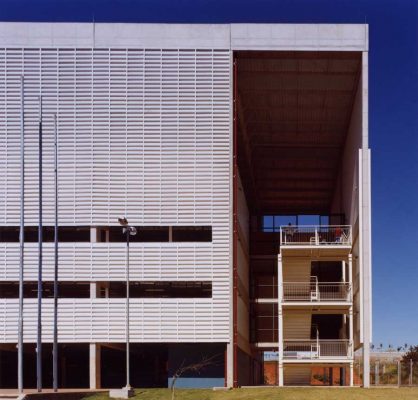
(275, 394)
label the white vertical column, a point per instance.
(351, 328)
(280, 317)
(93, 285)
(350, 275)
(351, 317)
(351, 313)
(365, 225)
(94, 366)
(230, 365)
(94, 351)
(93, 234)
(94, 348)
(343, 272)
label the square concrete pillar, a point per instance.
(94, 368)
(230, 365)
(281, 375)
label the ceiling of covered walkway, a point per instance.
(293, 111)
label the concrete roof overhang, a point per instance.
(294, 110)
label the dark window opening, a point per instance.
(115, 234)
(144, 234)
(153, 234)
(77, 290)
(65, 234)
(31, 234)
(115, 290)
(106, 234)
(182, 289)
(192, 233)
(327, 271)
(327, 326)
(101, 235)
(9, 234)
(161, 289)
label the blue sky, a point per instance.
(393, 115)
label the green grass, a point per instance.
(275, 394)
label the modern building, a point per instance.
(239, 151)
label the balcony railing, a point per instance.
(316, 349)
(316, 291)
(311, 235)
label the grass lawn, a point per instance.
(276, 394)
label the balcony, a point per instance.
(316, 292)
(311, 350)
(333, 240)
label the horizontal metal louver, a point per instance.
(143, 133)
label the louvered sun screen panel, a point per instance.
(143, 133)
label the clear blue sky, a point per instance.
(393, 115)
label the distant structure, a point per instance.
(239, 152)
(386, 356)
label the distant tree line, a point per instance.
(406, 348)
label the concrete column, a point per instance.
(343, 330)
(366, 362)
(351, 332)
(93, 290)
(376, 373)
(94, 368)
(281, 374)
(351, 374)
(93, 234)
(280, 317)
(93, 285)
(230, 365)
(350, 275)
(94, 348)
(343, 266)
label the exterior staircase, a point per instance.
(297, 326)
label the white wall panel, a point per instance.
(143, 133)
(106, 261)
(103, 320)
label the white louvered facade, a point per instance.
(143, 133)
